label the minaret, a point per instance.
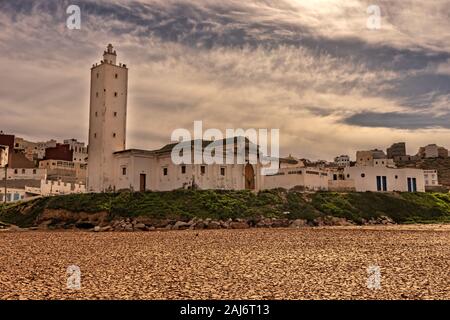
(107, 120)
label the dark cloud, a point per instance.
(399, 120)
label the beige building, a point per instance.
(373, 158)
(432, 151)
(67, 171)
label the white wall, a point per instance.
(365, 178)
(288, 178)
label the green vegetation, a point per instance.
(216, 204)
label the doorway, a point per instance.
(249, 177)
(142, 182)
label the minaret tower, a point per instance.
(107, 120)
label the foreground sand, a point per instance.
(309, 263)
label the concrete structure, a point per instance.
(26, 173)
(432, 151)
(302, 178)
(342, 161)
(396, 150)
(373, 158)
(51, 188)
(79, 150)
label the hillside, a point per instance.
(184, 205)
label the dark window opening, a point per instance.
(183, 169)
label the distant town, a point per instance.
(56, 168)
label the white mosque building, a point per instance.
(113, 167)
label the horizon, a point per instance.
(311, 69)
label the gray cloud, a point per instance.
(315, 72)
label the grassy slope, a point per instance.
(184, 204)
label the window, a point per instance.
(115, 94)
(116, 76)
(202, 170)
(381, 183)
(15, 171)
(23, 171)
(96, 94)
(165, 171)
(34, 171)
(124, 171)
(222, 171)
(363, 175)
(348, 176)
(115, 114)
(97, 75)
(396, 177)
(96, 113)
(114, 135)
(183, 169)
(95, 135)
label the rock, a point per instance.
(128, 227)
(264, 223)
(180, 225)
(97, 229)
(280, 223)
(214, 225)
(298, 223)
(386, 220)
(332, 221)
(44, 225)
(84, 225)
(199, 225)
(239, 225)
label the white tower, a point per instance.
(107, 120)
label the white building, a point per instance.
(112, 167)
(342, 161)
(385, 179)
(79, 150)
(26, 173)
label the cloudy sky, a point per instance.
(311, 68)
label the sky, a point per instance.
(310, 68)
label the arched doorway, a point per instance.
(249, 177)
